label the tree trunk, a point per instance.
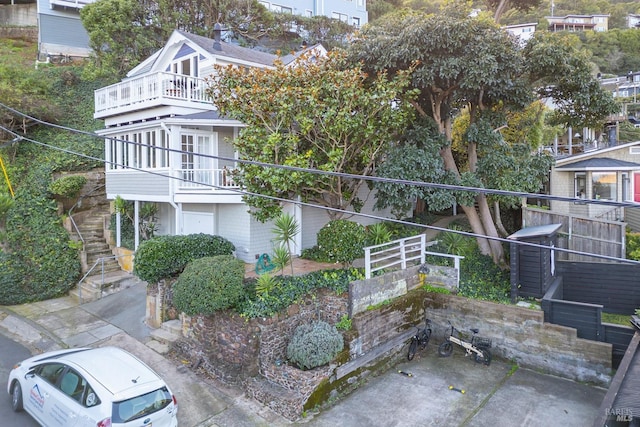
(497, 252)
(500, 9)
(498, 219)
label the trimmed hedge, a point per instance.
(167, 256)
(209, 284)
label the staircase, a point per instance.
(162, 337)
(104, 275)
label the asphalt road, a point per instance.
(10, 353)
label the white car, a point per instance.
(92, 387)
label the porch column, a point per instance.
(136, 225)
(297, 215)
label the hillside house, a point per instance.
(159, 120)
(60, 31)
(578, 23)
(352, 12)
(608, 173)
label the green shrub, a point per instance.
(39, 262)
(291, 288)
(342, 241)
(209, 284)
(314, 344)
(377, 234)
(344, 324)
(68, 186)
(166, 256)
(633, 246)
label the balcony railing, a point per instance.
(158, 87)
(78, 4)
(205, 179)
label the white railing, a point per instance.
(205, 179)
(401, 253)
(397, 253)
(78, 4)
(157, 86)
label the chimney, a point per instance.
(217, 31)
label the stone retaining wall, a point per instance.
(253, 353)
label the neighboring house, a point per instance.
(60, 31)
(523, 32)
(163, 120)
(578, 23)
(610, 173)
(633, 20)
(352, 12)
(18, 15)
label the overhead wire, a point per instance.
(315, 206)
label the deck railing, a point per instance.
(205, 179)
(156, 86)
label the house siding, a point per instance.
(234, 224)
(138, 185)
(61, 31)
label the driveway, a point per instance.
(499, 395)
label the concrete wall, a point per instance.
(19, 15)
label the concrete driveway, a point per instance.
(495, 396)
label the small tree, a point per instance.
(285, 230)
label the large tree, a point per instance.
(467, 62)
(314, 114)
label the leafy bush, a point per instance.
(166, 256)
(68, 186)
(342, 241)
(633, 246)
(209, 284)
(314, 344)
(481, 278)
(377, 234)
(39, 260)
(345, 323)
(292, 288)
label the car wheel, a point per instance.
(16, 397)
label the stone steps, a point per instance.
(163, 337)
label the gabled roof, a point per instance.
(224, 51)
(599, 163)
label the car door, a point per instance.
(66, 405)
(41, 385)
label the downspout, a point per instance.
(177, 208)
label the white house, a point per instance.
(159, 120)
(352, 12)
(60, 31)
(523, 32)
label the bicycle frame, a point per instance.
(481, 351)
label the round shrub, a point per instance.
(209, 284)
(68, 186)
(166, 256)
(314, 344)
(342, 241)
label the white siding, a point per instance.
(234, 225)
(137, 185)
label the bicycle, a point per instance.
(478, 346)
(420, 339)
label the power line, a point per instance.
(342, 211)
(450, 187)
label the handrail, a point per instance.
(100, 260)
(70, 213)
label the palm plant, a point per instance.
(285, 229)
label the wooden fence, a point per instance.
(583, 234)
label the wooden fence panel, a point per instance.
(582, 234)
(585, 318)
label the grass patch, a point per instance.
(617, 319)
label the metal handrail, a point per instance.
(70, 213)
(101, 261)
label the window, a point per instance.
(580, 185)
(50, 372)
(340, 17)
(356, 22)
(604, 185)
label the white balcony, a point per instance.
(151, 90)
(78, 4)
(205, 179)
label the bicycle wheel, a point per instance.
(484, 358)
(445, 349)
(412, 348)
(424, 338)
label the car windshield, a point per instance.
(140, 406)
